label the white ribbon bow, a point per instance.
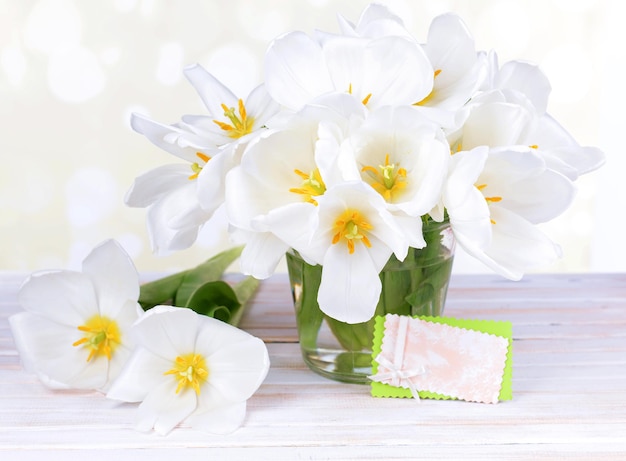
(397, 376)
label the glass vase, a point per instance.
(416, 286)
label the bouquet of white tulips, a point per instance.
(353, 143)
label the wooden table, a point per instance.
(569, 384)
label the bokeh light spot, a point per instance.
(75, 75)
(91, 195)
(53, 24)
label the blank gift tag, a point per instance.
(443, 358)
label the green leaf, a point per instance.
(161, 291)
(352, 336)
(209, 271)
(215, 299)
(423, 295)
(202, 290)
(244, 291)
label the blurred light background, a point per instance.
(72, 71)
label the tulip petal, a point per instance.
(163, 408)
(172, 139)
(142, 372)
(155, 184)
(496, 124)
(212, 92)
(525, 185)
(174, 221)
(46, 348)
(350, 287)
(528, 79)
(261, 105)
(64, 297)
(220, 417)
(237, 361)
(261, 255)
(295, 70)
(167, 331)
(293, 224)
(516, 247)
(450, 48)
(211, 180)
(394, 70)
(114, 277)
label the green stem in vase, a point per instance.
(305, 285)
(415, 286)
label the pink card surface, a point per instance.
(452, 361)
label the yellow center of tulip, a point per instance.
(388, 179)
(312, 185)
(240, 124)
(102, 336)
(196, 167)
(352, 227)
(190, 370)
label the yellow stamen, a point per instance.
(312, 185)
(196, 167)
(240, 125)
(190, 370)
(437, 72)
(102, 336)
(534, 146)
(388, 179)
(352, 227)
(365, 99)
(495, 198)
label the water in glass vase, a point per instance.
(416, 286)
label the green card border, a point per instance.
(494, 327)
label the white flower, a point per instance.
(511, 110)
(75, 331)
(354, 237)
(520, 77)
(376, 71)
(404, 157)
(182, 198)
(231, 119)
(520, 191)
(193, 368)
(458, 70)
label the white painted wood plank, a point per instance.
(511, 452)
